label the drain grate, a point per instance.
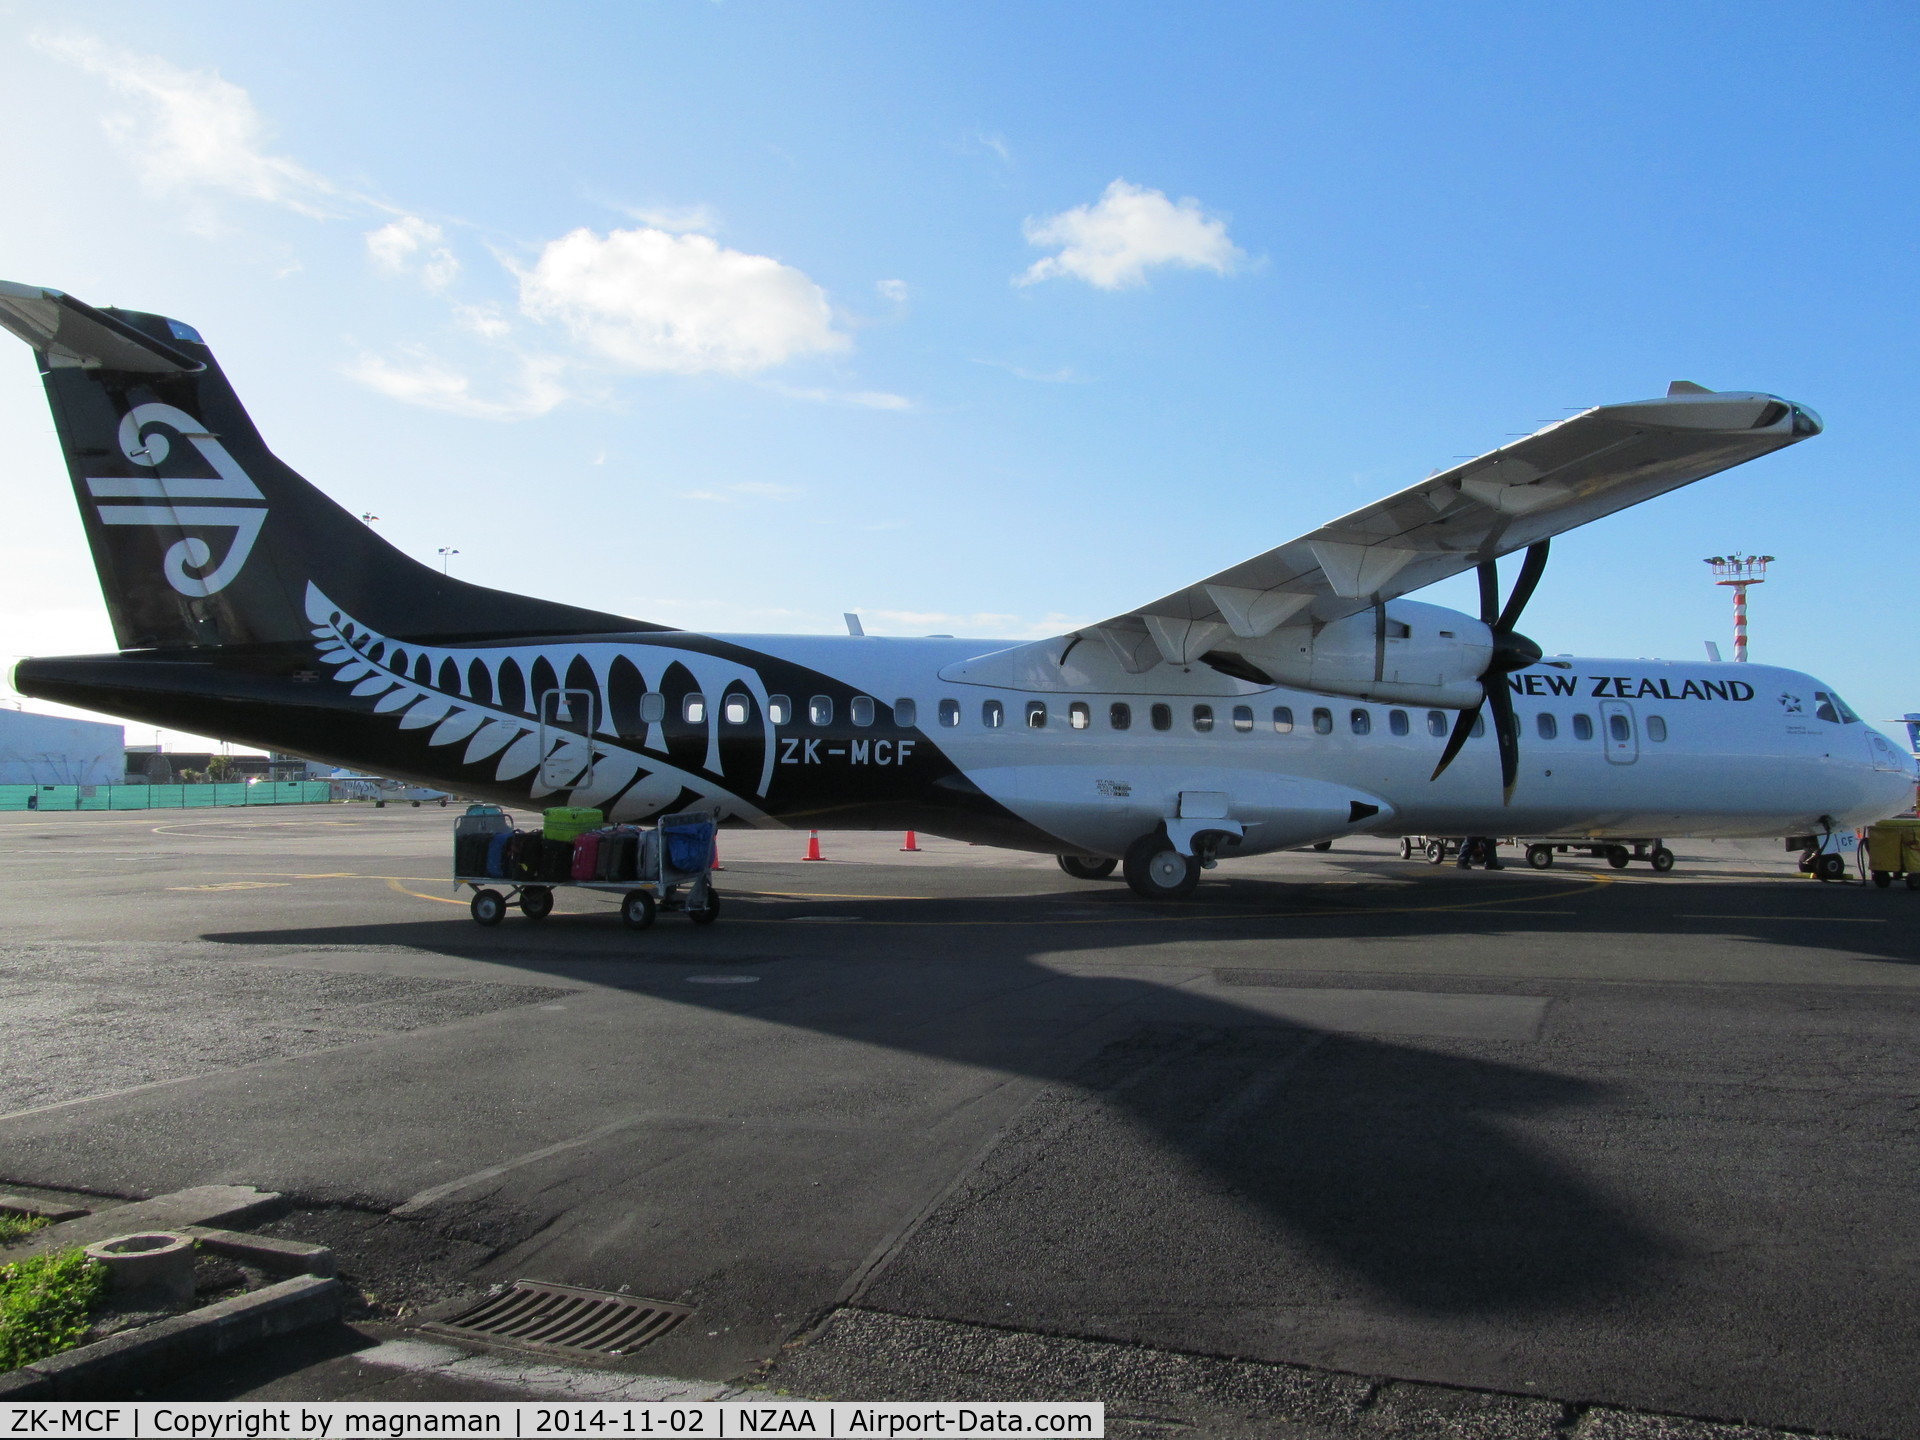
(563, 1320)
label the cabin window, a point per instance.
(1079, 717)
(1436, 722)
(1360, 721)
(1583, 727)
(1322, 721)
(950, 713)
(693, 709)
(653, 707)
(1619, 727)
(906, 714)
(1397, 722)
(1283, 719)
(1162, 717)
(992, 714)
(1243, 718)
(861, 711)
(1120, 715)
(1479, 725)
(733, 709)
(1203, 718)
(1036, 714)
(1656, 728)
(1546, 725)
(820, 710)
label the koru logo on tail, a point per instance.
(189, 562)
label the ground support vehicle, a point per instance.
(1893, 852)
(676, 874)
(1617, 853)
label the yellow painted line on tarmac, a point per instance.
(1810, 919)
(396, 886)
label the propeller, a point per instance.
(1511, 651)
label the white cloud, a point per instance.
(400, 245)
(745, 490)
(1111, 243)
(426, 382)
(865, 399)
(894, 290)
(190, 129)
(678, 218)
(648, 300)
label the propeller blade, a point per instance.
(1489, 574)
(1462, 727)
(1506, 729)
(1531, 569)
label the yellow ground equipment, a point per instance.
(1893, 850)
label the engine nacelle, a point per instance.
(1428, 655)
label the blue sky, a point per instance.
(738, 316)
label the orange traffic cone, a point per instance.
(716, 865)
(912, 847)
(813, 846)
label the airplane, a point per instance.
(1287, 701)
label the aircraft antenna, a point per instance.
(1739, 571)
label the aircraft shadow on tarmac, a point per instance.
(1393, 1164)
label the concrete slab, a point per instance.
(179, 1209)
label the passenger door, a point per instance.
(1619, 732)
(566, 750)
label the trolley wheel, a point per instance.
(1436, 852)
(1661, 859)
(487, 907)
(637, 910)
(1618, 856)
(1086, 867)
(1540, 857)
(536, 902)
(416, 804)
(1882, 879)
(707, 913)
(1913, 880)
(1406, 848)
(1830, 867)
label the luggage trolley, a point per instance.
(666, 867)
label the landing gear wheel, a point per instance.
(1157, 871)
(416, 804)
(487, 906)
(536, 902)
(1323, 845)
(1406, 848)
(1882, 879)
(1830, 867)
(1436, 852)
(1618, 856)
(1540, 857)
(708, 913)
(637, 910)
(1661, 859)
(1087, 867)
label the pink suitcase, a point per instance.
(586, 855)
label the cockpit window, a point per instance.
(1847, 717)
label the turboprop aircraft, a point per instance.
(1291, 699)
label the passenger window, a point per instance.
(693, 709)
(1079, 717)
(992, 714)
(1322, 721)
(1120, 716)
(949, 713)
(1360, 722)
(1203, 718)
(733, 709)
(1546, 725)
(906, 714)
(1283, 719)
(1162, 716)
(1036, 714)
(1436, 722)
(862, 709)
(1619, 728)
(820, 710)
(1583, 727)
(1656, 727)
(1397, 722)
(1479, 726)
(1243, 718)
(653, 708)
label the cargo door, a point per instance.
(1619, 732)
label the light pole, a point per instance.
(369, 517)
(447, 552)
(1739, 572)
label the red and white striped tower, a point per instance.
(1740, 571)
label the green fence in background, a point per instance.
(163, 797)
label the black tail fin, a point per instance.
(201, 536)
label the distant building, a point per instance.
(53, 750)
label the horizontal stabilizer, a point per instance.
(70, 333)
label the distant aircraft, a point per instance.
(1289, 700)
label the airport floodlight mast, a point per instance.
(447, 552)
(1739, 571)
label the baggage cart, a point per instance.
(1617, 853)
(672, 867)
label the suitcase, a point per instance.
(470, 854)
(525, 857)
(607, 861)
(586, 856)
(495, 867)
(559, 861)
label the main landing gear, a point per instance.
(1087, 867)
(1157, 871)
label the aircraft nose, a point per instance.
(1806, 422)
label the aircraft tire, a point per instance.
(1436, 852)
(487, 907)
(637, 910)
(710, 912)
(1661, 859)
(1157, 871)
(1540, 857)
(1830, 867)
(1619, 857)
(1323, 845)
(536, 902)
(1086, 867)
(1406, 848)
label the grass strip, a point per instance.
(44, 1301)
(18, 1227)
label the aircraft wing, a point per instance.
(1570, 473)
